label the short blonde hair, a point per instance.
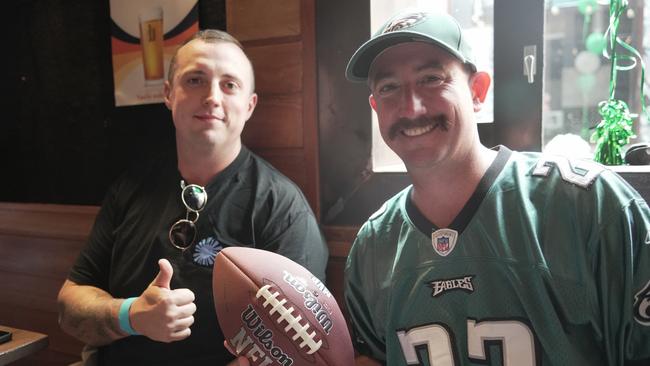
(209, 36)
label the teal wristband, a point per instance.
(125, 323)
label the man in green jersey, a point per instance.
(491, 256)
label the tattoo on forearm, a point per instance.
(91, 322)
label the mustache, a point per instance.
(425, 120)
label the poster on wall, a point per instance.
(144, 36)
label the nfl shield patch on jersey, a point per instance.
(444, 241)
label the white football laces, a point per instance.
(293, 322)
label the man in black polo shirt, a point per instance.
(141, 290)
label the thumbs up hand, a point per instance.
(163, 314)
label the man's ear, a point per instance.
(373, 102)
(479, 84)
(252, 102)
(167, 91)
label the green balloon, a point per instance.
(595, 43)
(587, 6)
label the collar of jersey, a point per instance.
(465, 215)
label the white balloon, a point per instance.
(587, 62)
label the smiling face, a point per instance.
(211, 95)
(425, 101)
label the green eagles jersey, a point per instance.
(548, 263)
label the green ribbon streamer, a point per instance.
(615, 128)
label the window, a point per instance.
(577, 75)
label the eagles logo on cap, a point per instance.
(413, 25)
(405, 22)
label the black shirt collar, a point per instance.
(224, 175)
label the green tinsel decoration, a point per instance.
(613, 132)
(615, 129)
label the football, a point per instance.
(275, 312)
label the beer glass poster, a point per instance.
(144, 36)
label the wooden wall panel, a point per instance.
(52, 221)
(32, 291)
(263, 19)
(310, 106)
(38, 256)
(38, 244)
(276, 123)
(339, 239)
(278, 68)
(280, 39)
